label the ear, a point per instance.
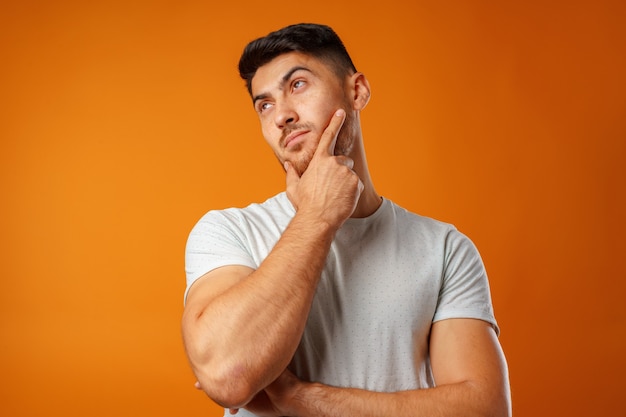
(360, 90)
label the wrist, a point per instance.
(306, 400)
(316, 224)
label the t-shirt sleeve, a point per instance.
(214, 241)
(465, 289)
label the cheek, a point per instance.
(269, 134)
(345, 139)
(318, 107)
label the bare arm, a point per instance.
(468, 365)
(242, 326)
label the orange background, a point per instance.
(121, 123)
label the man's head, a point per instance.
(319, 41)
(298, 77)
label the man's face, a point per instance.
(295, 96)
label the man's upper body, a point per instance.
(386, 279)
(324, 244)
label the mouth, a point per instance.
(293, 138)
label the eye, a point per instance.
(298, 84)
(264, 106)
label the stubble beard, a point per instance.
(343, 146)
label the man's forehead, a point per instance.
(270, 75)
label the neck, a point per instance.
(370, 200)
(368, 204)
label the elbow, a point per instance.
(224, 386)
(221, 378)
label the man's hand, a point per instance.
(329, 189)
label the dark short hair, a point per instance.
(319, 41)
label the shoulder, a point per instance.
(235, 236)
(276, 207)
(414, 221)
(435, 235)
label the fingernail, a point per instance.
(339, 113)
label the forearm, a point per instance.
(468, 399)
(245, 337)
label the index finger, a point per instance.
(329, 137)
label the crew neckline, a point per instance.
(372, 217)
(351, 220)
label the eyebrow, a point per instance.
(285, 78)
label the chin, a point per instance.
(302, 163)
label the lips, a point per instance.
(293, 136)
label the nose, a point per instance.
(284, 115)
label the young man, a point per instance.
(327, 299)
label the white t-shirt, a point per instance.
(387, 278)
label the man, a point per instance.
(327, 299)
